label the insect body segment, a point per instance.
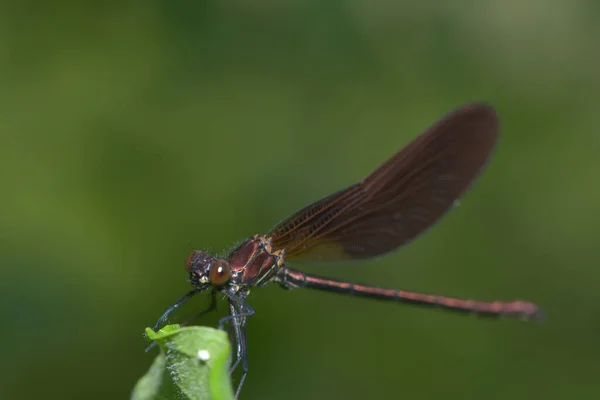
(254, 263)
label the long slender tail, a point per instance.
(291, 279)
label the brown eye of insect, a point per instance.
(188, 262)
(219, 273)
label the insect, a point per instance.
(393, 205)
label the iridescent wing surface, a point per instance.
(399, 200)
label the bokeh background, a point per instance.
(134, 132)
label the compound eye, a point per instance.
(220, 272)
(190, 259)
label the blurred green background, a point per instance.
(134, 132)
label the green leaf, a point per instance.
(192, 365)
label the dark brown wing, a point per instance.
(399, 200)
